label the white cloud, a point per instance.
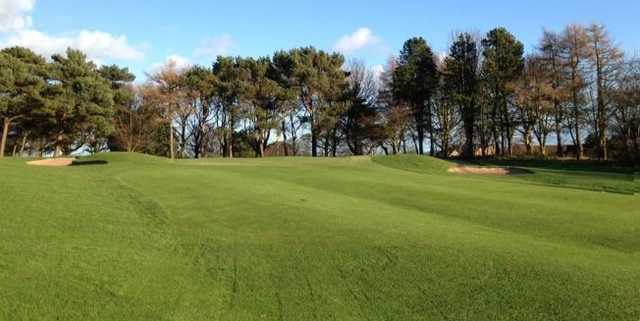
(361, 38)
(15, 14)
(16, 23)
(216, 46)
(97, 45)
(178, 62)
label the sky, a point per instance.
(145, 34)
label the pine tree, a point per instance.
(21, 85)
(503, 63)
(415, 80)
(461, 84)
(79, 102)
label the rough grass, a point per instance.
(142, 238)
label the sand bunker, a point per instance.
(55, 162)
(497, 171)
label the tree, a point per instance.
(359, 122)
(165, 92)
(575, 51)
(21, 86)
(534, 97)
(79, 102)
(551, 48)
(446, 120)
(128, 134)
(395, 115)
(229, 74)
(315, 75)
(606, 60)
(415, 82)
(283, 71)
(201, 86)
(503, 63)
(264, 98)
(626, 101)
(135, 123)
(461, 83)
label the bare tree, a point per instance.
(626, 101)
(551, 47)
(575, 51)
(135, 122)
(166, 94)
(359, 122)
(535, 99)
(606, 60)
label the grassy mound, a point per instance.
(143, 238)
(414, 163)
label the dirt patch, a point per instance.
(55, 162)
(495, 171)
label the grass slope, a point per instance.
(566, 174)
(582, 175)
(141, 238)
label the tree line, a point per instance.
(575, 95)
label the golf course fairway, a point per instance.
(134, 237)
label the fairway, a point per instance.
(135, 237)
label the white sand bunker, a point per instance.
(496, 171)
(54, 162)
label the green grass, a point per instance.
(580, 175)
(142, 238)
(412, 163)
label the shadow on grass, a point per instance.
(519, 171)
(89, 162)
(564, 165)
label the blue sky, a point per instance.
(143, 34)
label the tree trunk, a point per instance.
(576, 126)
(527, 141)
(468, 152)
(43, 144)
(420, 141)
(559, 150)
(24, 143)
(403, 142)
(171, 143)
(415, 144)
(314, 137)
(5, 133)
(432, 147)
(284, 137)
(232, 125)
(58, 150)
(602, 122)
(334, 143)
(576, 107)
